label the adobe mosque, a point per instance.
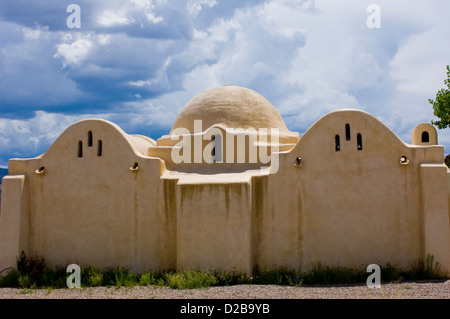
(231, 188)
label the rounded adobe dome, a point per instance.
(232, 107)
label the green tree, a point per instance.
(441, 105)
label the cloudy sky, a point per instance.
(137, 62)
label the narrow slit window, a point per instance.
(347, 132)
(213, 151)
(359, 142)
(99, 148)
(90, 138)
(217, 148)
(425, 137)
(80, 149)
(337, 142)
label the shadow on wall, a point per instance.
(3, 172)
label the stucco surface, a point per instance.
(231, 106)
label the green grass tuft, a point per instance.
(326, 275)
(189, 279)
(277, 276)
(126, 279)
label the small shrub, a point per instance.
(327, 275)
(109, 275)
(87, 273)
(428, 269)
(24, 281)
(390, 273)
(175, 281)
(278, 276)
(231, 278)
(432, 269)
(11, 279)
(32, 267)
(125, 278)
(147, 279)
(95, 279)
(189, 279)
(55, 278)
(161, 282)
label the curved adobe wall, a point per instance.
(89, 207)
(346, 205)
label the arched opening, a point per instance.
(337, 143)
(359, 142)
(347, 132)
(99, 148)
(80, 149)
(425, 137)
(90, 138)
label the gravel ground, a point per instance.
(404, 290)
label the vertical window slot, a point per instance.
(213, 151)
(218, 148)
(80, 149)
(337, 143)
(359, 142)
(347, 132)
(90, 138)
(99, 148)
(425, 137)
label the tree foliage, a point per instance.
(441, 105)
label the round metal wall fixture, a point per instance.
(135, 167)
(40, 170)
(404, 160)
